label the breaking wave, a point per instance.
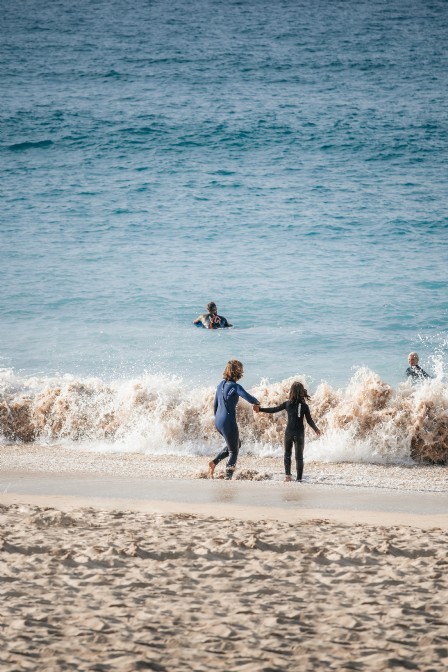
(368, 421)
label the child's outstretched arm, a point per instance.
(310, 421)
(274, 409)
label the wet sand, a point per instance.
(32, 458)
(289, 502)
(127, 563)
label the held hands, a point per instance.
(256, 408)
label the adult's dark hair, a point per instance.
(233, 370)
(298, 393)
(211, 307)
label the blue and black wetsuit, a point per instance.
(226, 399)
(294, 432)
(416, 373)
(212, 321)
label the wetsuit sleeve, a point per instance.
(202, 318)
(274, 409)
(245, 395)
(215, 403)
(309, 419)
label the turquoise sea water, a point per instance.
(286, 160)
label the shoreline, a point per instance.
(222, 512)
(34, 458)
(411, 495)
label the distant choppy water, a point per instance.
(285, 159)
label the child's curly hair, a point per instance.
(233, 370)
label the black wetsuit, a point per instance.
(212, 321)
(416, 373)
(294, 432)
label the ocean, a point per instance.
(286, 160)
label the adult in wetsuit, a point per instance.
(297, 409)
(414, 371)
(227, 396)
(211, 319)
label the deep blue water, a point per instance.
(287, 160)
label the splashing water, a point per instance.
(368, 421)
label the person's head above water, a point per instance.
(233, 371)
(413, 359)
(211, 307)
(298, 393)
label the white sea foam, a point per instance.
(368, 421)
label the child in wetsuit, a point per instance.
(297, 409)
(226, 400)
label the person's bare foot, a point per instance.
(211, 469)
(288, 479)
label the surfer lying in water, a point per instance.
(414, 371)
(297, 409)
(211, 319)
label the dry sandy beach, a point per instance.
(131, 585)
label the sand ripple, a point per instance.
(98, 590)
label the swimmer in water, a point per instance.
(211, 319)
(414, 371)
